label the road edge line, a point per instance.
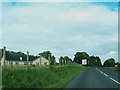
(108, 76)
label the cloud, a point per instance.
(88, 13)
(62, 28)
(111, 53)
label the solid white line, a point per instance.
(108, 76)
(114, 80)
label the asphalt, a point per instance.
(96, 77)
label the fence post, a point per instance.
(40, 61)
(27, 58)
(4, 56)
(49, 59)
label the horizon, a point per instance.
(25, 52)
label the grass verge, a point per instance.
(39, 77)
(114, 68)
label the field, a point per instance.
(39, 77)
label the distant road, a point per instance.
(96, 77)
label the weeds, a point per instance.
(37, 77)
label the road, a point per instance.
(96, 77)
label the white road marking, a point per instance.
(108, 76)
(114, 80)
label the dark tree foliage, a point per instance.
(61, 60)
(94, 61)
(46, 54)
(79, 56)
(1, 53)
(11, 55)
(32, 57)
(52, 60)
(98, 61)
(109, 62)
(65, 60)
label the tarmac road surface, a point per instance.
(96, 77)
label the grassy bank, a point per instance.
(36, 77)
(113, 68)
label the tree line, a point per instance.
(11, 55)
(111, 63)
(64, 60)
(91, 60)
(94, 60)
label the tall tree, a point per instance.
(46, 54)
(94, 61)
(68, 60)
(79, 56)
(65, 60)
(109, 62)
(61, 60)
(98, 61)
(52, 60)
(1, 53)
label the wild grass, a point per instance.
(114, 68)
(39, 77)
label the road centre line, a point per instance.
(108, 76)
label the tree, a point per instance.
(109, 62)
(52, 60)
(1, 53)
(46, 54)
(68, 60)
(11, 55)
(79, 56)
(61, 60)
(94, 61)
(65, 60)
(98, 61)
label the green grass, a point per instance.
(39, 77)
(113, 68)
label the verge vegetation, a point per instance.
(114, 68)
(40, 77)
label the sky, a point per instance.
(63, 28)
(59, 0)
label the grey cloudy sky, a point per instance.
(61, 27)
